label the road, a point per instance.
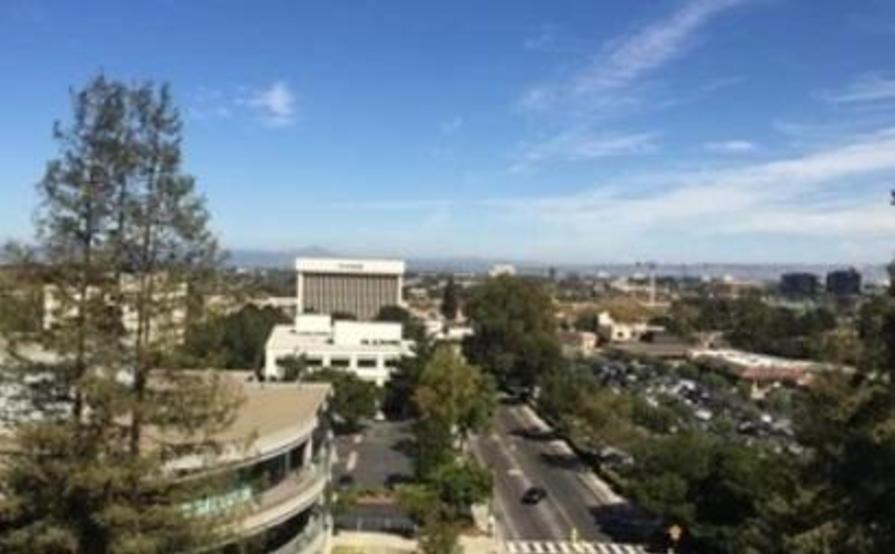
(522, 452)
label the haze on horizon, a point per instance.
(562, 132)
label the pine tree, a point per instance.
(121, 237)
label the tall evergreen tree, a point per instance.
(121, 235)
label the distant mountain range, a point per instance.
(752, 272)
(274, 258)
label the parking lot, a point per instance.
(376, 458)
(707, 401)
(369, 463)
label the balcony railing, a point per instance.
(311, 540)
(288, 497)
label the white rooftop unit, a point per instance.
(350, 266)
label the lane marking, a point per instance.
(597, 488)
(554, 519)
(501, 510)
(568, 547)
(358, 438)
(600, 489)
(549, 518)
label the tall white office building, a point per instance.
(358, 287)
(326, 286)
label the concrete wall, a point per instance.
(355, 333)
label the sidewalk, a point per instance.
(382, 543)
(350, 542)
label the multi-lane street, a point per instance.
(522, 452)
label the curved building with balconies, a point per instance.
(278, 470)
(271, 476)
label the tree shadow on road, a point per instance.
(534, 434)
(562, 461)
(626, 523)
(405, 446)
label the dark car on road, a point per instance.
(345, 482)
(534, 495)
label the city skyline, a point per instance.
(678, 131)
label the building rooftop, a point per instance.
(271, 408)
(272, 416)
(751, 359)
(285, 337)
(350, 266)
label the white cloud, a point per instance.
(275, 105)
(613, 83)
(578, 144)
(786, 197)
(628, 60)
(863, 220)
(209, 103)
(869, 88)
(731, 146)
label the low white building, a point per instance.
(442, 331)
(370, 350)
(617, 331)
(502, 269)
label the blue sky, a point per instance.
(560, 131)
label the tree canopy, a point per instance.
(121, 234)
(515, 330)
(353, 401)
(230, 341)
(721, 494)
(454, 392)
(751, 324)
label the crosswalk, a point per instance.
(568, 547)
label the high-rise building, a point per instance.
(340, 286)
(844, 282)
(798, 284)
